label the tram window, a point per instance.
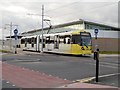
(56, 42)
(76, 39)
(32, 40)
(32, 45)
(35, 40)
(25, 44)
(22, 41)
(68, 41)
(44, 40)
(64, 41)
(43, 45)
(51, 41)
(40, 41)
(29, 40)
(61, 40)
(47, 40)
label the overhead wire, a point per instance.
(86, 12)
(71, 13)
(74, 15)
(89, 10)
(63, 6)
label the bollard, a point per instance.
(97, 65)
(96, 57)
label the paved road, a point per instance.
(66, 67)
(6, 84)
(111, 80)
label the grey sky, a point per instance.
(57, 11)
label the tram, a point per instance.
(72, 42)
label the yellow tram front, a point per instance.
(81, 43)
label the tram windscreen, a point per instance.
(85, 39)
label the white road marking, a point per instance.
(65, 79)
(108, 66)
(109, 63)
(109, 75)
(50, 75)
(92, 78)
(105, 65)
(13, 85)
(7, 82)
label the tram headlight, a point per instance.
(82, 48)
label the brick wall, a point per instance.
(106, 44)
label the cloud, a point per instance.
(58, 11)
(1, 33)
(16, 9)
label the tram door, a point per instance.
(25, 42)
(38, 43)
(32, 42)
(56, 42)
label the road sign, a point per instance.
(15, 35)
(15, 31)
(96, 31)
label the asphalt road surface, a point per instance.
(67, 67)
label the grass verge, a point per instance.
(4, 51)
(108, 52)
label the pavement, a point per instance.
(19, 77)
(7, 84)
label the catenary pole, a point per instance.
(42, 27)
(11, 25)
